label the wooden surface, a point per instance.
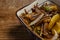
(10, 28)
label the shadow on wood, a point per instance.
(19, 33)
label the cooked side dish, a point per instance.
(44, 20)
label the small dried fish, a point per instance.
(26, 11)
(55, 36)
(38, 19)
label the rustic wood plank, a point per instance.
(10, 28)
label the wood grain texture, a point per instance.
(10, 28)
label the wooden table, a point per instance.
(10, 27)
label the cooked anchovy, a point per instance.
(41, 30)
(38, 19)
(26, 11)
(55, 36)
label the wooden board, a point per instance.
(10, 28)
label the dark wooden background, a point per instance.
(10, 27)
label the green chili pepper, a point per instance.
(47, 8)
